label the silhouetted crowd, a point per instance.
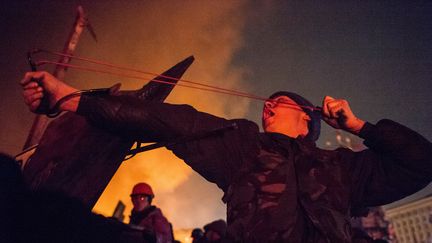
(43, 216)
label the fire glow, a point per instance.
(212, 33)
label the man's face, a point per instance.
(139, 201)
(283, 115)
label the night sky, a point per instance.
(375, 54)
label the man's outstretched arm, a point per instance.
(152, 121)
(121, 114)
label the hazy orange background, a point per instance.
(159, 36)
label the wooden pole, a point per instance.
(40, 122)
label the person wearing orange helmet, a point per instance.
(147, 217)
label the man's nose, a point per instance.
(269, 104)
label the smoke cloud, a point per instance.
(153, 36)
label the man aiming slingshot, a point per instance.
(278, 186)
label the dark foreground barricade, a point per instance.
(50, 216)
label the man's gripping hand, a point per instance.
(37, 85)
(337, 113)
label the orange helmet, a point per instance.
(142, 188)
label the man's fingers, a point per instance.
(28, 77)
(34, 105)
(335, 110)
(333, 107)
(31, 76)
(338, 114)
(28, 91)
(31, 85)
(31, 99)
(325, 110)
(31, 95)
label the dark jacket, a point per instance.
(155, 226)
(278, 189)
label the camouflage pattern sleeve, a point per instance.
(398, 163)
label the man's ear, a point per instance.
(306, 117)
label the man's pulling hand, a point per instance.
(337, 113)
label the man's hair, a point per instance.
(314, 125)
